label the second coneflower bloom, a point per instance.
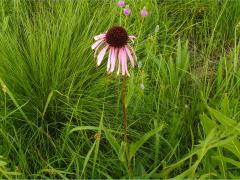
(116, 42)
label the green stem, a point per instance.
(123, 96)
(123, 93)
(5, 105)
(121, 17)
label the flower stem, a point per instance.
(123, 93)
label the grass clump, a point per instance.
(61, 118)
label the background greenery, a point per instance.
(60, 117)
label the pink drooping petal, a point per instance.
(129, 55)
(113, 59)
(124, 62)
(109, 59)
(101, 55)
(119, 61)
(134, 54)
(100, 36)
(96, 50)
(132, 37)
(97, 43)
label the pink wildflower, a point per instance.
(121, 3)
(126, 11)
(144, 12)
(115, 41)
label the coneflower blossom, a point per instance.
(144, 12)
(115, 41)
(121, 3)
(126, 11)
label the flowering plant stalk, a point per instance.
(116, 42)
(123, 96)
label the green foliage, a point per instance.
(60, 117)
(4, 171)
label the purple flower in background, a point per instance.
(121, 3)
(126, 11)
(144, 12)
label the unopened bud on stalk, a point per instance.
(4, 88)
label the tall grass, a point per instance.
(60, 117)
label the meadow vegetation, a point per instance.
(61, 117)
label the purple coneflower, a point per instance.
(144, 12)
(121, 3)
(116, 41)
(126, 11)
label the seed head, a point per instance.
(97, 136)
(4, 88)
(117, 37)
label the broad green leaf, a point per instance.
(122, 152)
(135, 146)
(228, 160)
(167, 170)
(80, 128)
(182, 59)
(208, 124)
(13, 173)
(185, 174)
(234, 147)
(2, 163)
(88, 157)
(47, 103)
(112, 140)
(179, 55)
(172, 71)
(105, 174)
(139, 169)
(5, 23)
(225, 105)
(224, 120)
(224, 141)
(208, 175)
